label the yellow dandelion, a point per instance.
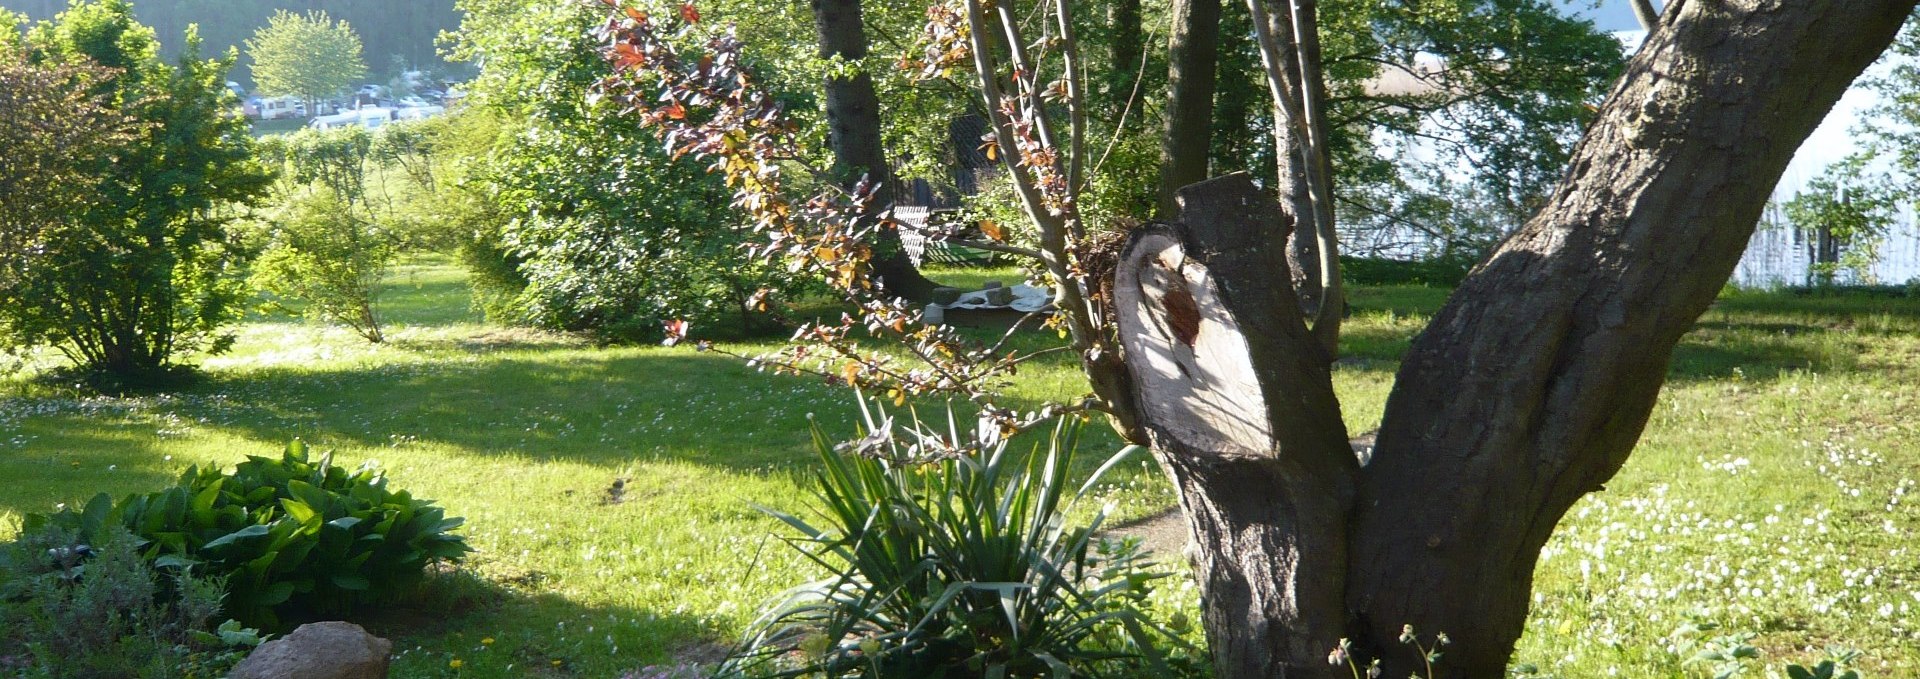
(456, 663)
(487, 641)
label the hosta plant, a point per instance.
(950, 559)
(291, 535)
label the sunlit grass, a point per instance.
(1772, 493)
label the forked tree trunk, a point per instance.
(1527, 391)
(853, 132)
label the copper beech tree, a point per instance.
(1210, 335)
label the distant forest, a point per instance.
(406, 29)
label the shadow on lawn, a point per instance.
(593, 405)
(511, 627)
(1713, 350)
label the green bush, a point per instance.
(594, 228)
(1443, 273)
(73, 609)
(143, 270)
(963, 565)
(325, 262)
(291, 536)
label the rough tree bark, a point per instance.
(1192, 54)
(853, 131)
(1527, 391)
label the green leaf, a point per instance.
(351, 582)
(276, 594)
(300, 512)
(250, 532)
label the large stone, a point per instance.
(944, 296)
(321, 650)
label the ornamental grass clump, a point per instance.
(960, 559)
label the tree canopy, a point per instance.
(309, 55)
(407, 30)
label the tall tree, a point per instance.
(853, 132)
(1527, 391)
(308, 55)
(1126, 45)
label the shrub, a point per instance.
(73, 609)
(143, 269)
(1444, 273)
(326, 262)
(330, 242)
(288, 534)
(597, 229)
(964, 565)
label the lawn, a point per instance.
(1772, 494)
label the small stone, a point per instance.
(998, 296)
(321, 650)
(945, 296)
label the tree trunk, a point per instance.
(1191, 58)
(1288, 37)
(1125, 50)
(1527, 391)
(1531, 386)
(853, 132)
(1259, 456)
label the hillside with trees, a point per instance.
(393, 32)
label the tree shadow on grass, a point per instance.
(593, 405)
(510, 626)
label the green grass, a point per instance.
(263, 128)
(1781, 459)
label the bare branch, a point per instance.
(1644, 11)
(1076, 106)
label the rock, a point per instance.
(999, 296)
(321, 650)
(944, 296)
